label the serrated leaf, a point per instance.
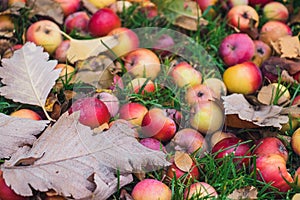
(28, 75)
(17, 132)
(67, 154)
(83, 49)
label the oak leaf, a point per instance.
(28, 76)
(290, 46)
(68, 157)
(17, 132)
(262, 115)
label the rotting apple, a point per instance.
(102, 22)
(206, 117)
(244, 78)
(45, 33)
(128, 41)
(184, 75)
(153, 144)
(236, 48)
(93, 112)
(6, 193)
(232, 145)
(157, 124)
(270, 145)
(271, 31)
(142, 63)
(243, 17)
(141, 85)
(26, 113)
(276, 11)
(200, 190)
(272, 169)
(133, 112)
(198, 93)
(150, 189)
(61, 51)
(295, 142)
(69, 6)
(111, 101)
(77, 21)
(217, 85)
(189, 140)
(262, 52)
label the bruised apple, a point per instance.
(272, 168)
(150, 189)
(157, 124)
(93, 112)
(244, 78)
(270, 145)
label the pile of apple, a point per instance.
(193, 132)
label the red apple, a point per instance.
(153, 144)
(61, 51)
(69, 6)
(199, 93)
(236, 48)
(206, 117)
(259, 2)
(243, 17)
(128, 41)
(188, 140)
(133, 112)
(184, 75)
(200, 190)
(45, 33)
(244, 78)
(175, 171)
(271, 31)
(77, 21)
(218, 136)
(26, 113)
(276, 11)
(272, 169)
(296, 100)
(157, 125)
(6, 193)
(142, 63)
(232, 145)
(270, 145)
(262, 52)
(102, 22)
(297, 76)
(150, 189)
(93, 112)
(149, 9)
(205, 4)
(111, 101)
(141, 85)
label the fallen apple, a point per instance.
(276, 11)
(26, 113)
(200, 190)
(133, 112)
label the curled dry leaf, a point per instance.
(248, 192)
(67, 155)
(46, 8)
(267, 95)
(83, 49)
(17, 132)
(96, 71)
(183, 161)
(28, 76)
(236, 104)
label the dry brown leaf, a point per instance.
(248, 193)
(28, 76)
(287, 78)
(83, 49)
(183, 161)
(276, 46)
(96, 71)
(192, 21)
(258, 115)
(46, 8)
(89, 6)
(267, 95)
(67, 155)
(289, 46)
(17, 132)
